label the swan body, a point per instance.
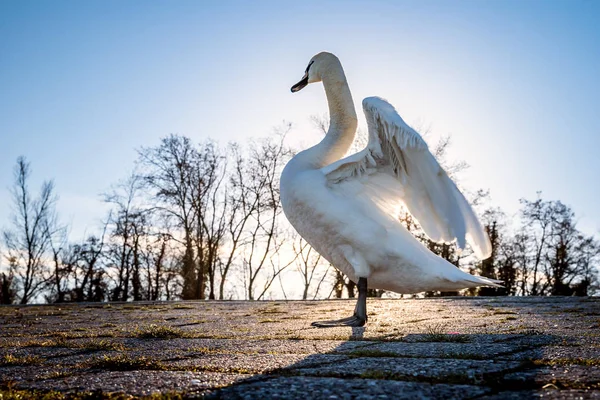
(347, 208)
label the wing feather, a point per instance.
(430, 195)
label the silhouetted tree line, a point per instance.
(200, 221)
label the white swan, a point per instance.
(347, 208)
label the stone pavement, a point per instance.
(445, 348)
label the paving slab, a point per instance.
(141, 383)
(336, 388)
(442, 348)
(419, 369)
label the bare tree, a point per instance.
(62, 260)
(187, 182)
(211, 205)
(8, 292)
(520, 252)
(262, 239)
(198, 222)
(155, 258)
(341, 282)
(501, 264)
(555, 257)
(160, 261)
(507, 268)
(129, 224)
(537, 216)
(307, 263)
(170, 174)
(588, 262)
(28, 241)
(242, 207)
(562, 255)
(86, 272)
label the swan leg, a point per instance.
(360, 310)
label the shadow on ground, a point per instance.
(431, 348)
(439, 365)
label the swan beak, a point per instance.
(300, 85)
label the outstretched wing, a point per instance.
(397, 150)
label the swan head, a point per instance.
(320, 66)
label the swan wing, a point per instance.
(397, 166)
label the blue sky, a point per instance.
(83, 84)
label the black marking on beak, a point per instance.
(300, 85)
(307, 68)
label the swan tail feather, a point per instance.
(483, 281)
(463, 278)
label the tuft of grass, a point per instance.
(44, 343)
(572, 310)
(25, 394)
(53, 313)
(435, 333)
(153, 331)
(503, 312)
(183, 307)
(206, 350)
(221, 370)
(91, 345)
(107, 334)
(131, 307)
(197, 321)
(54, 375)
(10, 360)
(123, 362)
(103, 344)
(414, 321)
(370, 353)
(592, 313)
(588, 362)
(531, 332)
(272, 310)
(69, 335)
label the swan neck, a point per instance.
(342, 119)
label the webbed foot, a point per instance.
(354, 320)
(360, 311)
